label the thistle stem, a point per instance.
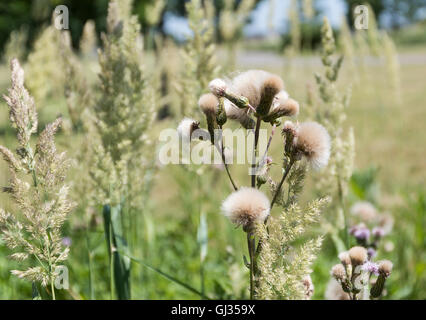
(222, 152)
(256, 141)
(251, 248)
(277, 192)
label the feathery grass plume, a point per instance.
(260, 94)
(124, 158)
(282, 264)
(392, 67)
(308, 9)
(373, 35)
(231, 23)
(89, 41)
(293, 49)
(16, 44)
(198, 55)
(45, 76)
(153, 11)
(330, 112)
(346, 43)
(42, 206)
(295, 31)
(76, 89)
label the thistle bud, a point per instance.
(218, 87)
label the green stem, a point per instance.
(256, 141)
(52, 286)
(251, 247)
(277, 192)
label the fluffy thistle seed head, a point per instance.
(358, 255)
(218, 87)
(338, 272)
(344, 258)
(284, 104)
(313, 141)
(385, 267)
(186, 128)
(208, 103)
(364, 210)
(246, 207)
(269, 89)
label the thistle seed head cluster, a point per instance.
(250, 98)
(41, 207)
(354, 273)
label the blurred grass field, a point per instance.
(389, 140)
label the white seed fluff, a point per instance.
(314, 142)
(246, 206)
(185, 128)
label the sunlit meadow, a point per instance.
(332, 207)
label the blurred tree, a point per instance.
(404, 11)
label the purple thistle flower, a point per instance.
(362, 234)
(371, 267)
(371, 253)
(66, 241)
(378, 232)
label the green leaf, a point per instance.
(116, 244)
(35, 293)
(169, 277)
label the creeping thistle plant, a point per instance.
(356, 274)
(279, 269)
(38, 190)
